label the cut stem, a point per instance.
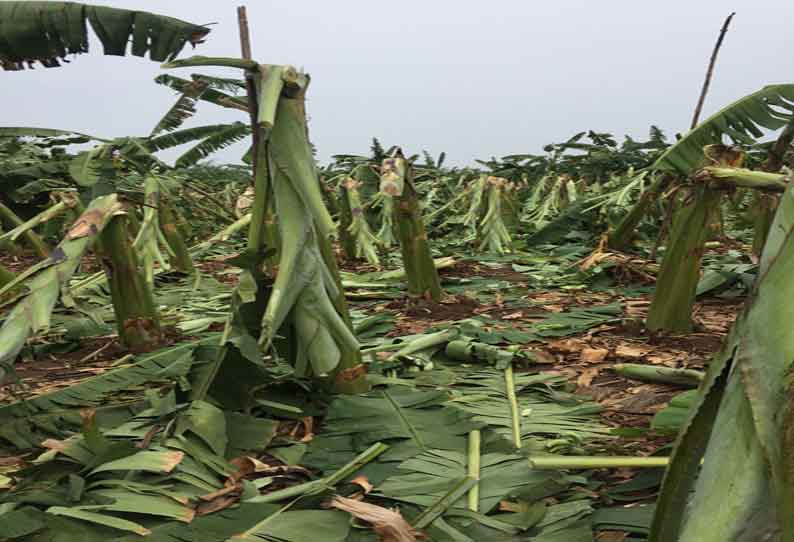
(474, 469)
(515, 413)
(11, 219)
(554, 462)
(664, 375)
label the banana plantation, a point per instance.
(587, 344)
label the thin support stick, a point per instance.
(710, 70)
(245, 35)
(250, 86)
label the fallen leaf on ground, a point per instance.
(587, 376)
(593, 355)
(631, 351)
(363, 482)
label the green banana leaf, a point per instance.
(744, 121)
(47, 32)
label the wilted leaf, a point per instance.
(594, 355)
(388, 524)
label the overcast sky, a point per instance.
(472, 78)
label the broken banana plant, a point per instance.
(492, 230)
(302, 314)
(676, 288)
(397, 182)
(365, 243)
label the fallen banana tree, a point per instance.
(46, 281)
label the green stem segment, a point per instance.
(6, 276)
(623, 234)
(329, 481)
(554, 462)
(664, 375)
(515, 413)
(474, 469)
(435, 511)
(223, 62)
(11, 219)
(760, 180)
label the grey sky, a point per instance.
(472, 78)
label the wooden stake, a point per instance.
(710, 70)
(250, 86)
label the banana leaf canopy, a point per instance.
(46, 32)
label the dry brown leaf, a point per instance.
(631, 351)
(587, 376)
(611, 536)
(216, 505)
(543, 356)
(389, 525)
(568, 346)
(172, 459)
(593, 355)
(12, 461)
(513, 316)
(363, 482)
(663, 359)
(87, 224)
(510, 506)
(53, 444)
(223, 492)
